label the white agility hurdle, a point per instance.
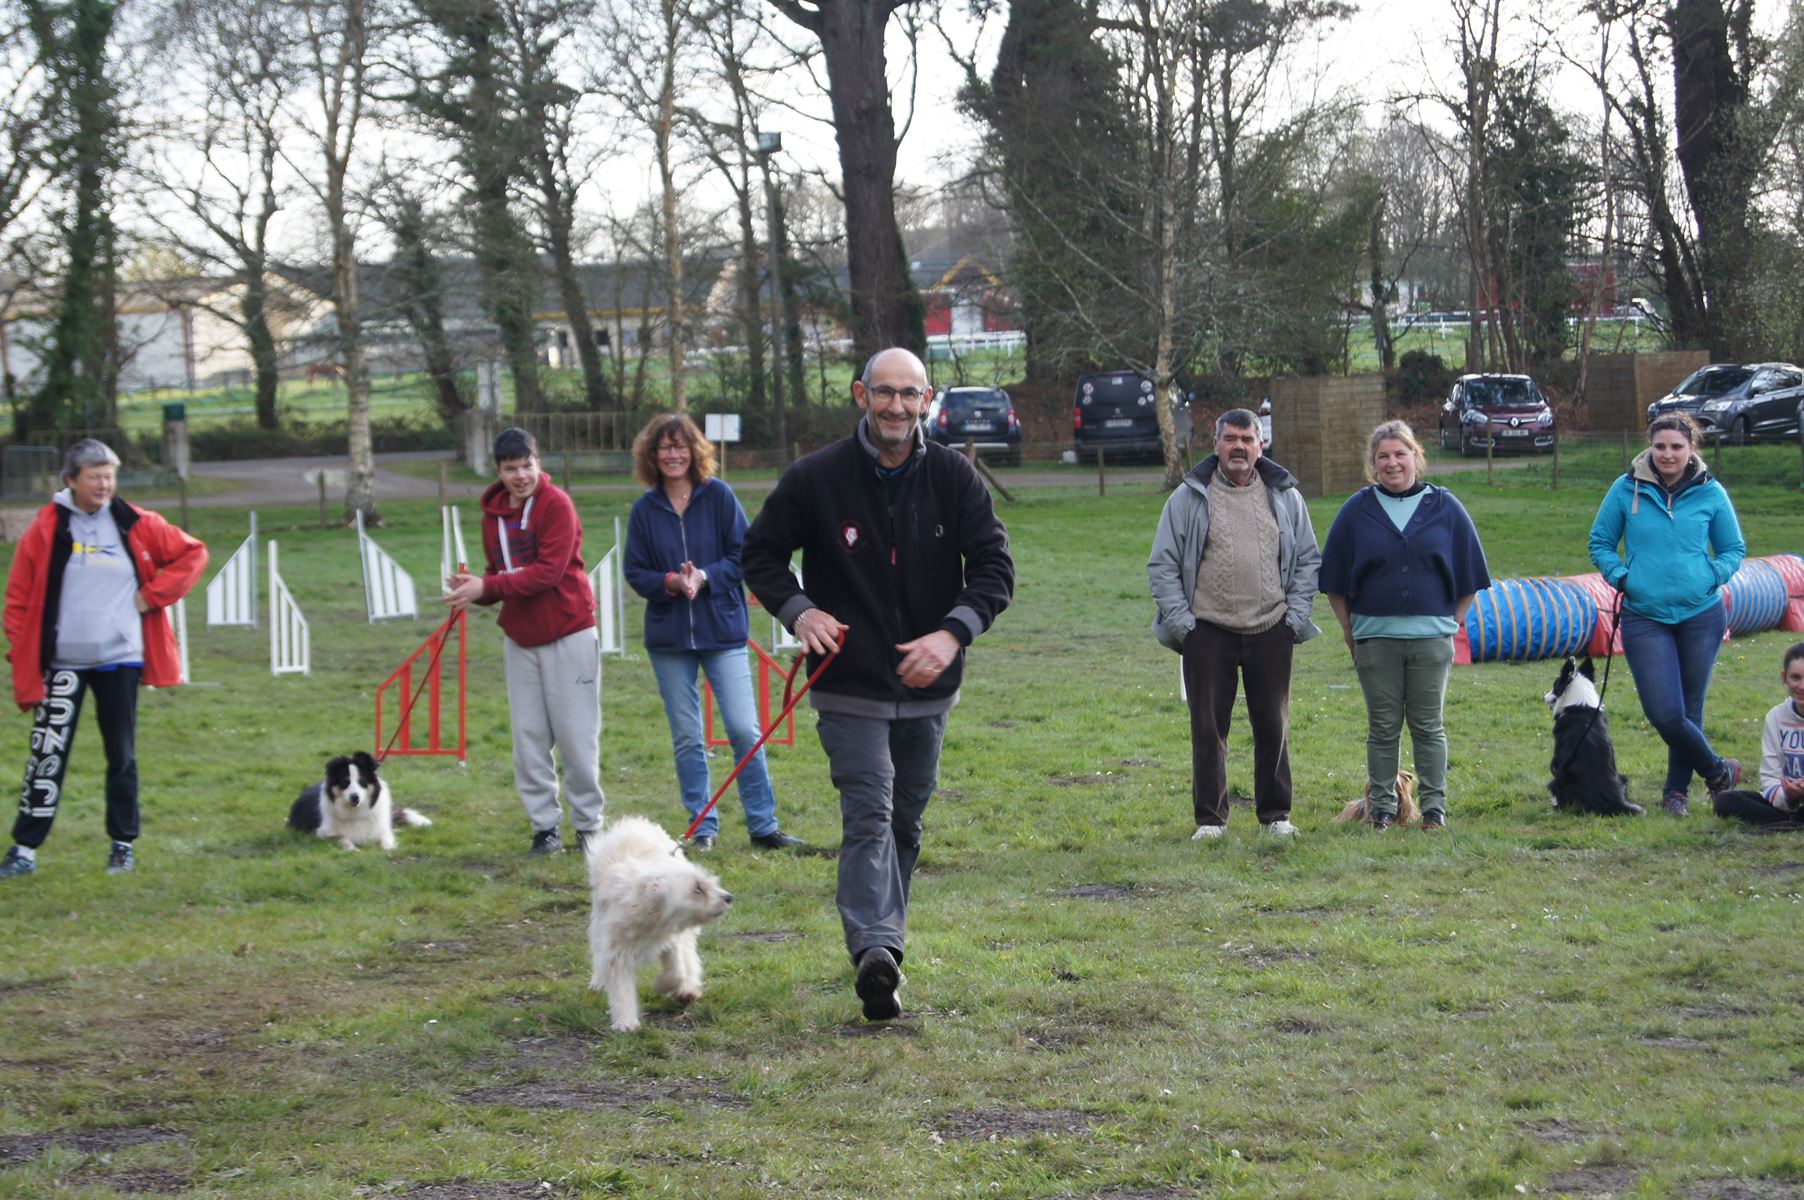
(178, 619)
(232, 594)
(452, 554)
(608, 580)
(290, 641)
(387, 589)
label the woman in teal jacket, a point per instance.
(1679, 544)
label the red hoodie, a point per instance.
(535, 565)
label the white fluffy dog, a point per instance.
(649, 901)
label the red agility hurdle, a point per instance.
(401, 741)
(769, 669)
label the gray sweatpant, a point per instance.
(554, 697)
(884, 770)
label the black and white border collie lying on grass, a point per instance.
(352, 805)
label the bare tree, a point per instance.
(221, 170)
(886, 308)
(336, 40)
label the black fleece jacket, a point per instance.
(895, 557)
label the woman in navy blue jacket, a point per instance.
(1400, 568)
(682, 555)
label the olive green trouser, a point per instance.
(1405, 680)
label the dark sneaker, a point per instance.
(120, 860)
(547, 841)
(1433, 819)
(583, 837)
(878, 979)
(1675, 804)
(1382, 821)
(15, 864)
(776, 839)
(701, 843)
(1727, 778)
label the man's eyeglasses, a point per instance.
(884, 391)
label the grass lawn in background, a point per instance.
(1530, 1003)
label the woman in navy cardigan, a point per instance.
(1400, 567)
(682, 555)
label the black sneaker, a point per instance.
(1434, 818)
(776, 839)
(582, 840)
(546, 841)
(120, 860)
(1382, 821)
(15, 864)
(878, 979)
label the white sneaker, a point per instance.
(1280, 828)
(1208, 833)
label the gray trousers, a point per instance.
(554, 698)
(885, 771)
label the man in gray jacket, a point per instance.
(1233, 574)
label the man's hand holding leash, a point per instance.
(466, 589)
(818, 631)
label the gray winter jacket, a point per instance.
(1184, 530)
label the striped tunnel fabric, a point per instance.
(1755, 598)
(1791, 569)
(1530, 618)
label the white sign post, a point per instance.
(721, 428)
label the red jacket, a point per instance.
(535, 567)
(168, 561)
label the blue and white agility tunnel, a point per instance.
(1529, 618)
(1519, 619)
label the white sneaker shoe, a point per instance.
(1280, 828)
(1208, 833)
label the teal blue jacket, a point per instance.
(1677, 548)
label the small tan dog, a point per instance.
(1407, 812)
(648, 902)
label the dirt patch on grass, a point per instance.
(440, 949)
(1099, 891)
(999, 1124)
(1784, 868)
(563, 1095)
(483, 868)
(1307, 914)
(1138, 762)
(145, 1181)
(1055, 1040)
(904, 1028)
(23, 1146)
(1302, 1025)
(511, 1190)
(1743, 1189)
(1269, 956)
(1599, 1181)
(771, 935)
(1675, 1042)
(1081, 780)
(1714, 1012)
(1558, 1130)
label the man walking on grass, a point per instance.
(533, 543)
(903, 557)
(1233, 574)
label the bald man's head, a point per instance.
(903, 359)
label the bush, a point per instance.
(244, 439)
(1422, 378)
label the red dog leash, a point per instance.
(789, 704)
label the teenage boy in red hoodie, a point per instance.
(533, 543)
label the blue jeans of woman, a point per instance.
(1671, 665)
(730, 675)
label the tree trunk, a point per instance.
(360, 480)
(886, 308)
(265, 361)
(751, 309)
(674, 323)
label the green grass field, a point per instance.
(1529, 1004)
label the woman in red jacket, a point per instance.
(86, 610)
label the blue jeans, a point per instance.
(1672, 665)
(730, 675)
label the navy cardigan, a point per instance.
(1421, 570)
(709, 534)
